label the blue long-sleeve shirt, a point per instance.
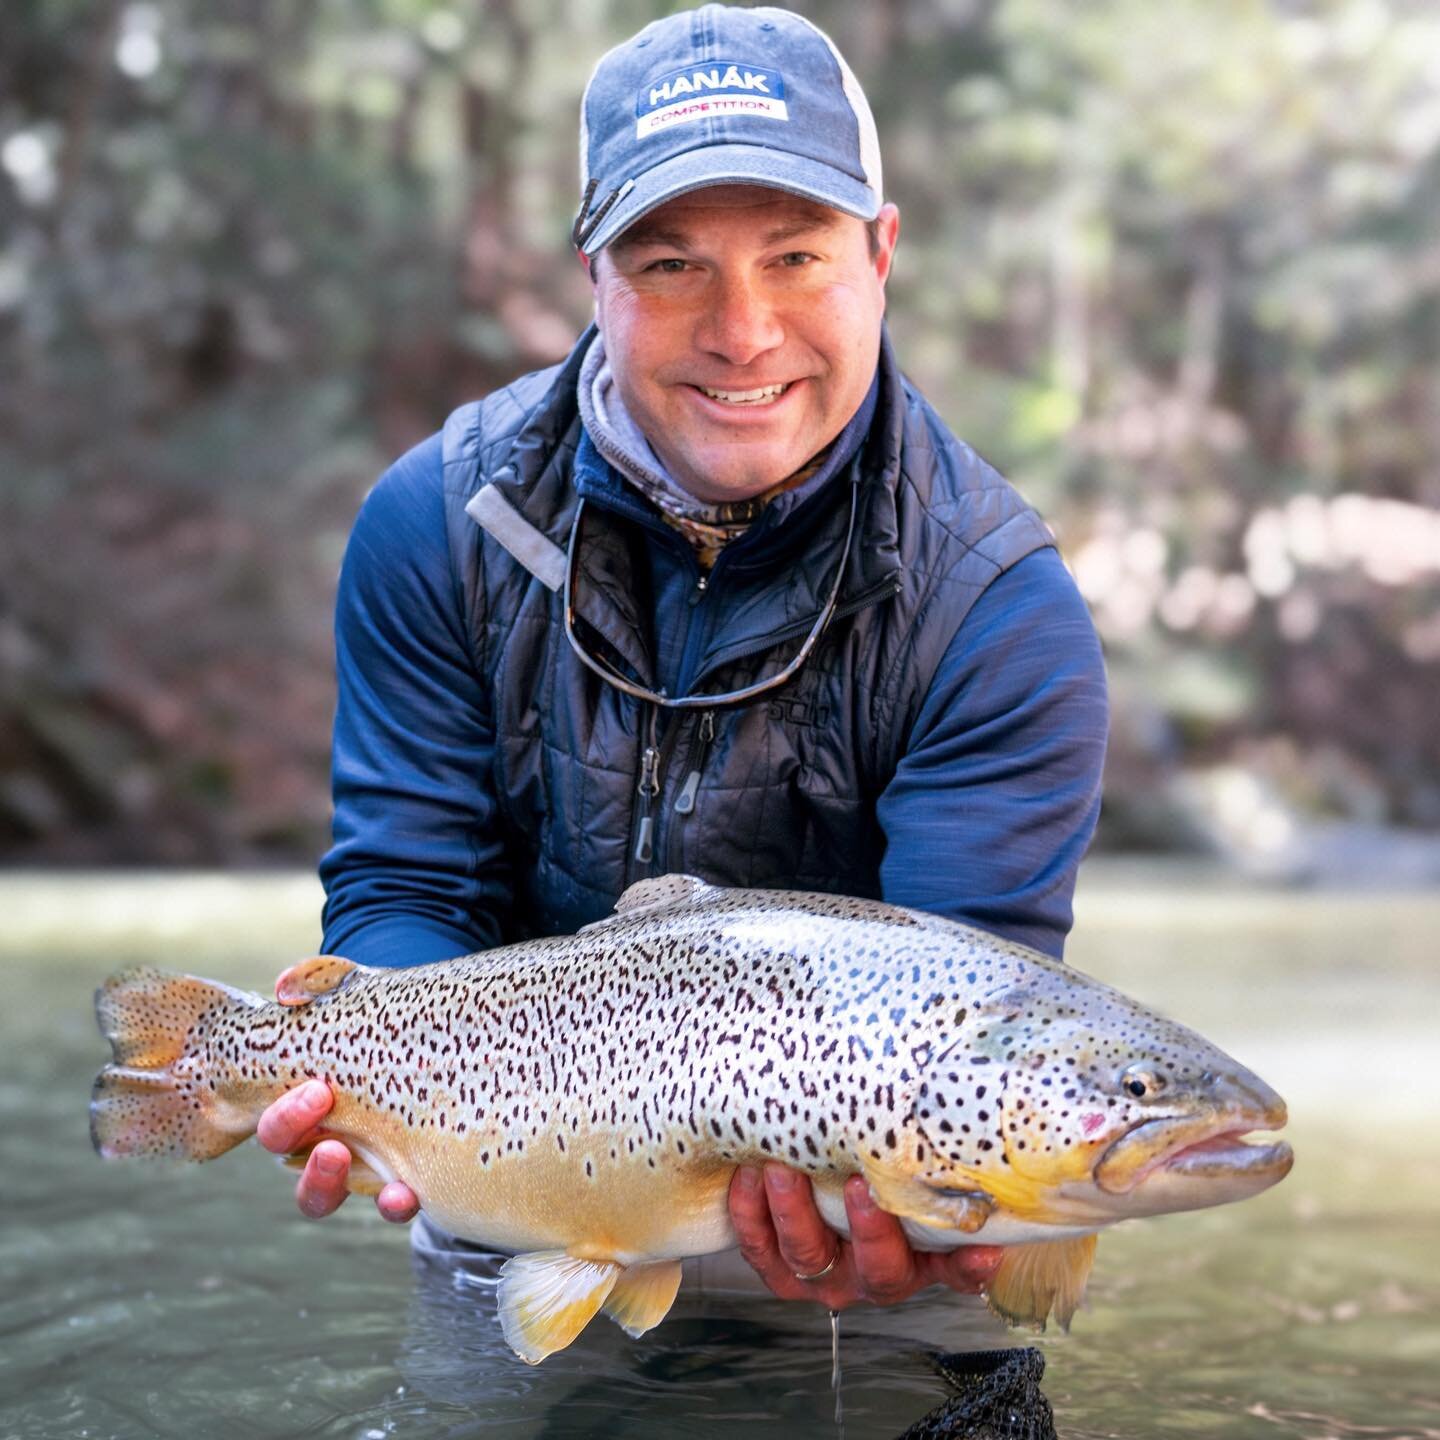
(985, 819)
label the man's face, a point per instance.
(742, 326)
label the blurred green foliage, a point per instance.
(1174, 265)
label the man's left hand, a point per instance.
(783, 1237)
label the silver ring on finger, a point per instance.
(824, 1271)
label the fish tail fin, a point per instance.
(547, 1298)
(154, 1099)
(1034, 1280)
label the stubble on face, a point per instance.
(742, 326)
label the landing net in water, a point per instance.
(996, 1397)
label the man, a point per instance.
(719, 594)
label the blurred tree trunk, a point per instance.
(492, 126)
(285, 34)
(91, 82)
(1204, 315)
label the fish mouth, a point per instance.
(1193, 1160)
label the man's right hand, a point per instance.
(293, 1122)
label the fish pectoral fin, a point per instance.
(361, 1178)
(969, 1209)
(643, 1295)
(961, 1209)
(1034, 1280)
(305, 981)
(548, 1297)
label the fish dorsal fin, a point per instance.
(309, 979)
(643, 1295)
(658, 893)
(548, 1297)
(662, 890)
(1034, 1280)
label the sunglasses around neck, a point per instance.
(612, 676)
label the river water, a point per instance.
(141, 1301)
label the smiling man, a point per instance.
(742, 328)
(719, 594)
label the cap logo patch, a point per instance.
(709, 92)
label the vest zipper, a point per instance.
(685, 801)
(654, 761)
(648, 788)
(654, 756)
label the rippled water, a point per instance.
(138, 1301)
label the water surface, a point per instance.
(139, 1301)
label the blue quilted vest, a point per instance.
(598, 789)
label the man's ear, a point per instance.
(887, 234)
(588, 265)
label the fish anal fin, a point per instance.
(309, 979)
(361, 1178)
(1035, 1280)
(643, 1295)
(965, 1210)
(547, 1298)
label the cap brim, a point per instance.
(734, 165)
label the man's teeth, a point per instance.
(747, 397)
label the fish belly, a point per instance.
(624, 1211)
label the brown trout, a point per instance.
(583, 1101)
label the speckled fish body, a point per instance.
(583, 1101)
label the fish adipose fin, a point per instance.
(1034, 1280)
(643, 1295)
(548, 1297)
(311, 978)
(151, 1100)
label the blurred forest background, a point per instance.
(1173, 265)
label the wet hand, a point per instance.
(783, 1237)
(292, 1123)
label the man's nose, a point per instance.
(739, 323)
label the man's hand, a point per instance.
(783, 1237)
(291, 1123)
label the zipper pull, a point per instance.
(685, 801)
(648, 787)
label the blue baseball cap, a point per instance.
(722, 96)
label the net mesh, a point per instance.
(996, 1397)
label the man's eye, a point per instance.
(668, 266)
(794, 259)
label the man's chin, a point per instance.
(719, 479)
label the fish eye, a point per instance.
(1140, 1081)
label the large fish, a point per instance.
(583, 1101)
